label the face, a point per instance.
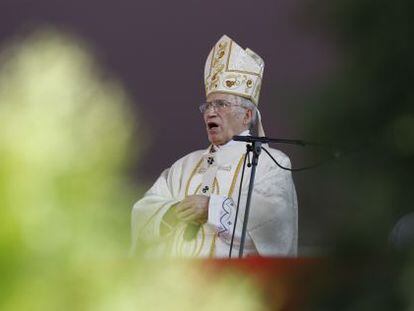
(223, 124)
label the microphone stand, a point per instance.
(266, 140)
(255, 146)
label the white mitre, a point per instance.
(231, 69)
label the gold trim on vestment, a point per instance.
(198, 247)
(214, 186)
(180, 239)
(180, 183)
(152, 217)
(236, 174)
(193, 172)
(194, 247)
(191, 176)
(198, 188)
(203, 236)
(212, 251)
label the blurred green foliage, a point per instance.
(367, 107)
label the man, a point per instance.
(190, 210)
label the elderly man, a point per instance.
(190, 210)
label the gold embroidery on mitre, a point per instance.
(230, 83)
(245, 65)
(217, 66)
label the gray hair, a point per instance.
(248, 104)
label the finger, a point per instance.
(184, 214)
(195, 216)
(190, 218)
(196, 219)
(184, 205)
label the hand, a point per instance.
(193, 208)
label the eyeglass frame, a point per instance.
(214, 104)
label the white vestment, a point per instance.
(216, 172)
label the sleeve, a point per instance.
(147, 213)
(272, 226)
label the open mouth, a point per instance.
(212, 125)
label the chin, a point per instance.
(214, 141)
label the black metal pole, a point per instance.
(255, 145)
(256, 148)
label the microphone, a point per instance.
(191, 231)
(266, 140)
(250, 139)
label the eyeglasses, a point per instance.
(218, 105)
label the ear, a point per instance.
(247, 116)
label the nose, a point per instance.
(211, 111)
(211, 108)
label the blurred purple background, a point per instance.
(157, 50)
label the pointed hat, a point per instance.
(231, 69)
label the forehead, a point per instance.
(223, 96)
